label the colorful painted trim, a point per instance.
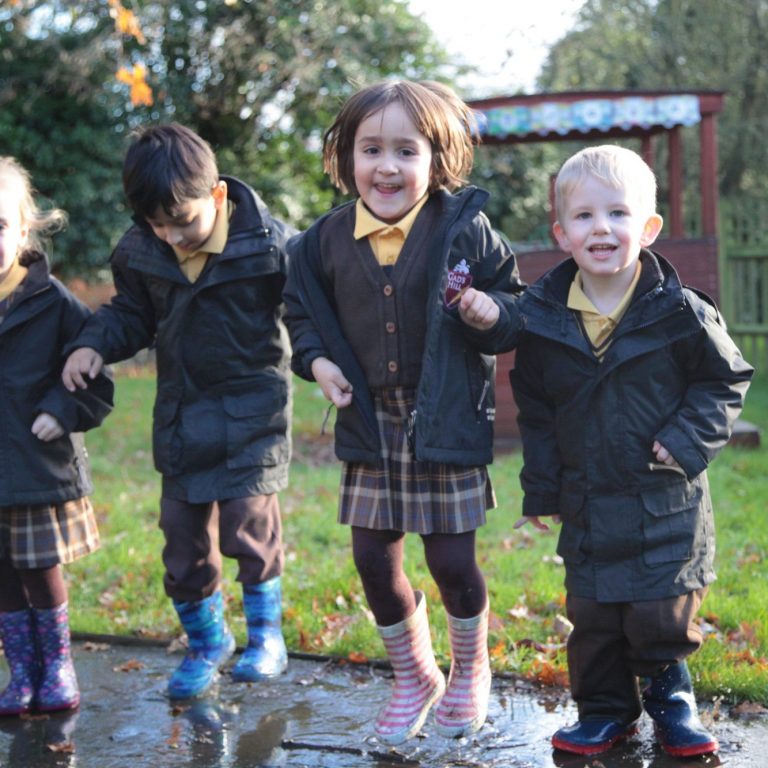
(589, 115)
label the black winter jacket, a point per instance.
(221, 416)
(43, 317)
(455, 398)
(632, 529)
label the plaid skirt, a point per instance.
(41, 536)
(401, 494)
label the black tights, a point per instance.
(35, 587)
(450, 558)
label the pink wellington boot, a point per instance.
(464, 707)
(418, 680)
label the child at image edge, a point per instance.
(46, 519)
(200, 276)
(627, 386)
(396, 304)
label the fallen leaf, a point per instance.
(132, 665)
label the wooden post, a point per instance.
(675, 173)
(709, 192)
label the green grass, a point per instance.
(119, 589)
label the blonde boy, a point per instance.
(628, 386)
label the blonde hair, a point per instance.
(40, 222)
(615, 166)
(436, 111)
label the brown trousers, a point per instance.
(612, 644)
(197, 535)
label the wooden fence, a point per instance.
(744, 277)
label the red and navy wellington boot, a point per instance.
(669, 700)
(592, 735)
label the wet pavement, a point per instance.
(319, 715)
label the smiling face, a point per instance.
(14, 230)
(604, 228)
(392, 162)
(190, 223)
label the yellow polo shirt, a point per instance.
(386, 239)
(597, 326)
(192, 264)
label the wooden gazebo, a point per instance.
(602, 116)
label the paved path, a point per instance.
(317, 715)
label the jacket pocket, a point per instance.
(569, 545)
(670, 521)
(257, 427)
(166, 443)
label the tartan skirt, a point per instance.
(402, 494)
(44, 535)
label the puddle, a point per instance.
(318, 715)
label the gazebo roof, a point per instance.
(576, 116)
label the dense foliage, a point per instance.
(259, 79)
(262, 79)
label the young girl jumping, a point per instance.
(46, 518)
(396, 305)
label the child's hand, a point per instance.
(47, 428)
(82, 361)
(478, 309)
(332, 381)
(536, 522)
(663, 455)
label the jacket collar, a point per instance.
(249, 223)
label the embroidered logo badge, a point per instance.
(459, 279)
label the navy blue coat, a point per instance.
(632, 528)
(43, 317)
(455, 397)
(221, 425)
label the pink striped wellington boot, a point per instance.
(418, 680)
(464, 707)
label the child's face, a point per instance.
(13, 230)
(191, 222)
(392, 162)
(604, 228)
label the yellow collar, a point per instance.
(367, 224)
(579, 300)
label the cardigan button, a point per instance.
(392, 366)
(390, 326)
(388, 290)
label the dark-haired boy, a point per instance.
(200, 277)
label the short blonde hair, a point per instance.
(436, 111)
(40, 222)
(618, 167)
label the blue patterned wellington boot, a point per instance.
(58, 683)
(17, 632)
(669, 700)
(266, 654)
(210, 645)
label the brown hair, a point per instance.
(436, 111)
(167, 165)
(40, 222)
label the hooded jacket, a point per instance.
(43, 317)
(632, 528)
(455, 396)
(221, 415)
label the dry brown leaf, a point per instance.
(132, 665)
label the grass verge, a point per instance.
(118, 590)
